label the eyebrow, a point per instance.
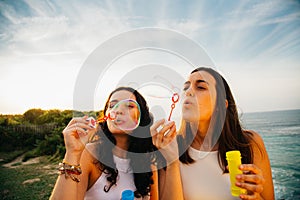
(116, 100)
(197, 81)
(202, 81)
(113, 101)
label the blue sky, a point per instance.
(254, 44)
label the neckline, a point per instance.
(122, 164)
(121, 160)
(198, 154)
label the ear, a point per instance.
(226, 103)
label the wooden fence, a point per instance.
(22, 128)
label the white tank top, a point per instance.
(125, 181)
(204, 179)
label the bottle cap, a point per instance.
(232, 155)
(127, 195)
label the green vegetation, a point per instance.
(36, 133)
(32, 181)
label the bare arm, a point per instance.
(75, 137)
(261, 160)
(66, 188)
(259, 182)
(170, 186)
(154, 187)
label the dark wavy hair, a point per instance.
(140, 141)
(232, 136)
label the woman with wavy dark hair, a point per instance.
(116, 159)
(210, 127)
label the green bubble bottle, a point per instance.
(234, 161)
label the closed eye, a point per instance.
(130, 106)
(111, 105)
(201, 88)
(186, 85)
(185, 88)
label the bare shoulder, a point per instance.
(256, 137)
(262, 161)
(258, 145)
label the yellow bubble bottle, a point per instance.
(234, 161)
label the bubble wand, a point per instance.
(92, 122)
(175, 99)
(111, 116)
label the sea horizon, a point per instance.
(62, 109)
(280, 131)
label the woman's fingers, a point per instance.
(254, 196)
(250, 178)
(156, 125)
(251, 168)
(258, 188)
(79, 124)
(76, 134)
(75, 131)
(78, 120)
(252, 181)
(164, 138)
(160, 138)
(170, 134)
(154, 133)
(167, 128)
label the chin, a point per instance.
(190, 117)
(114, 130)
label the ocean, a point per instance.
(281, 133)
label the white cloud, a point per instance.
(80, 28)
(284, 19)
(188, 27)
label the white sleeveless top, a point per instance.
(204, 179)
(125, 181)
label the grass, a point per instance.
(11, 180)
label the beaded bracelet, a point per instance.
(69, 170)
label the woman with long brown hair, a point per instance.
(210, 127)
(120, 157)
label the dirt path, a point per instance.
(18, 161)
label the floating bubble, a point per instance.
(125, 115)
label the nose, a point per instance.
(120, 109)
(119, 112)
(189, 92)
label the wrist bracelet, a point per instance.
(69, 171)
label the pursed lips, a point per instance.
(118, 121)
(187, 102)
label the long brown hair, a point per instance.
(140, 141)
(229, 134)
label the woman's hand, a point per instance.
(165, 139)
(76, 135)
(252, 180)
